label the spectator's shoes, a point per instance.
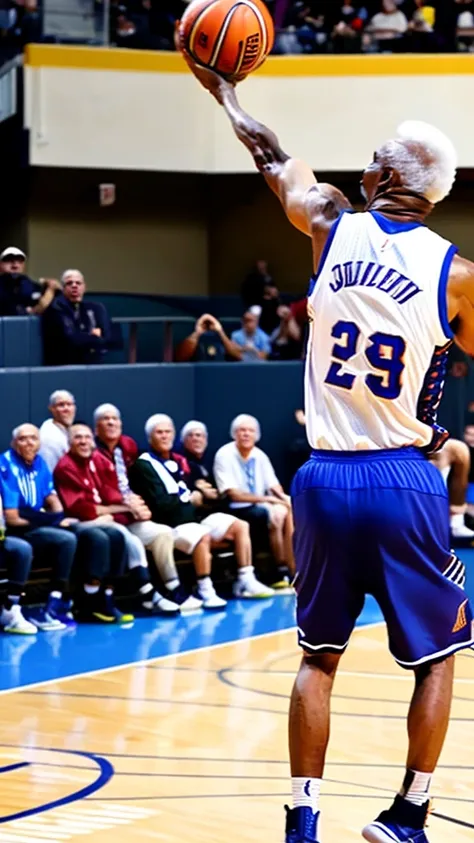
(100, 608)
(12, 620)
(186, 602)
(40, 617)
(402, 823)
(251, 589)
(301, 825)
(111, 610)
(160, 605)
(282, 580)
(61, 610)
(210, 599)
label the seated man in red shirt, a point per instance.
(122, 452)
(87, 485)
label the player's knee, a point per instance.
(324, 662)
(442, 669)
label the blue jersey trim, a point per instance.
(394, 226)
(325, 252)
(442, 292)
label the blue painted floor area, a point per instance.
(25, 660)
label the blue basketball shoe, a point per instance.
(301, 825)
(402, 823)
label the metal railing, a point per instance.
(168, 323)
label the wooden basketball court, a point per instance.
(193, 747)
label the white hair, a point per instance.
(190, 427)
(245, 420)
(154, 421)
(68, 272)
(106, 410)
(58, 394)
(16, 430)
(425, 158)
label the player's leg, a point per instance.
(329, 600)
(419, 589)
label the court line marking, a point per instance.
(154, 659)
(106, 772)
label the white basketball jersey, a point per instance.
(379, 335)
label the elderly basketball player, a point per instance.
(386, 300)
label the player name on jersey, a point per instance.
(371, 274)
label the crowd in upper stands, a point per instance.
(78, 331)
(83, 500)
(302, 26)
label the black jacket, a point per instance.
(17, 293)
(67, 333)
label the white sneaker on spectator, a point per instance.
(12, 620)
(247, 587)
(164, 606)
(458, 527)
(207, 593)
(191, 604)
(186, 602)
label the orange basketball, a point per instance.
(233, 37)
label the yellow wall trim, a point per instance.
(145, 61)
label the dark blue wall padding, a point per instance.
(44, 381)
(212, 392)
(269, 391)
(15, 392)
(21, 341)
(141, 390)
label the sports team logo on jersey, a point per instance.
(461, 620)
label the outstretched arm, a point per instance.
(311, 207)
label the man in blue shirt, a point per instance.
(254, 344)
(34, 512)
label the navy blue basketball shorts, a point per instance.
(377, 523)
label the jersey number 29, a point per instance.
(385, 353)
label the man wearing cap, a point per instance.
(75, 332)
(19, 294)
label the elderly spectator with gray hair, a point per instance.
(160, 477)
(54, 432)
(245, 474)
(121, 452)
(76, 332)
(34, 512)
(194, 439)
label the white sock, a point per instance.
(172, 585)
(205, 585)
(145, 589)
(457, 520)
(109, 592)
(91, 589)
(306, 793)
(56, 594)
(245, 573)
(416, 787)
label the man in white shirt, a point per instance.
(245, 474)
(54, 432)
(389, 24)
